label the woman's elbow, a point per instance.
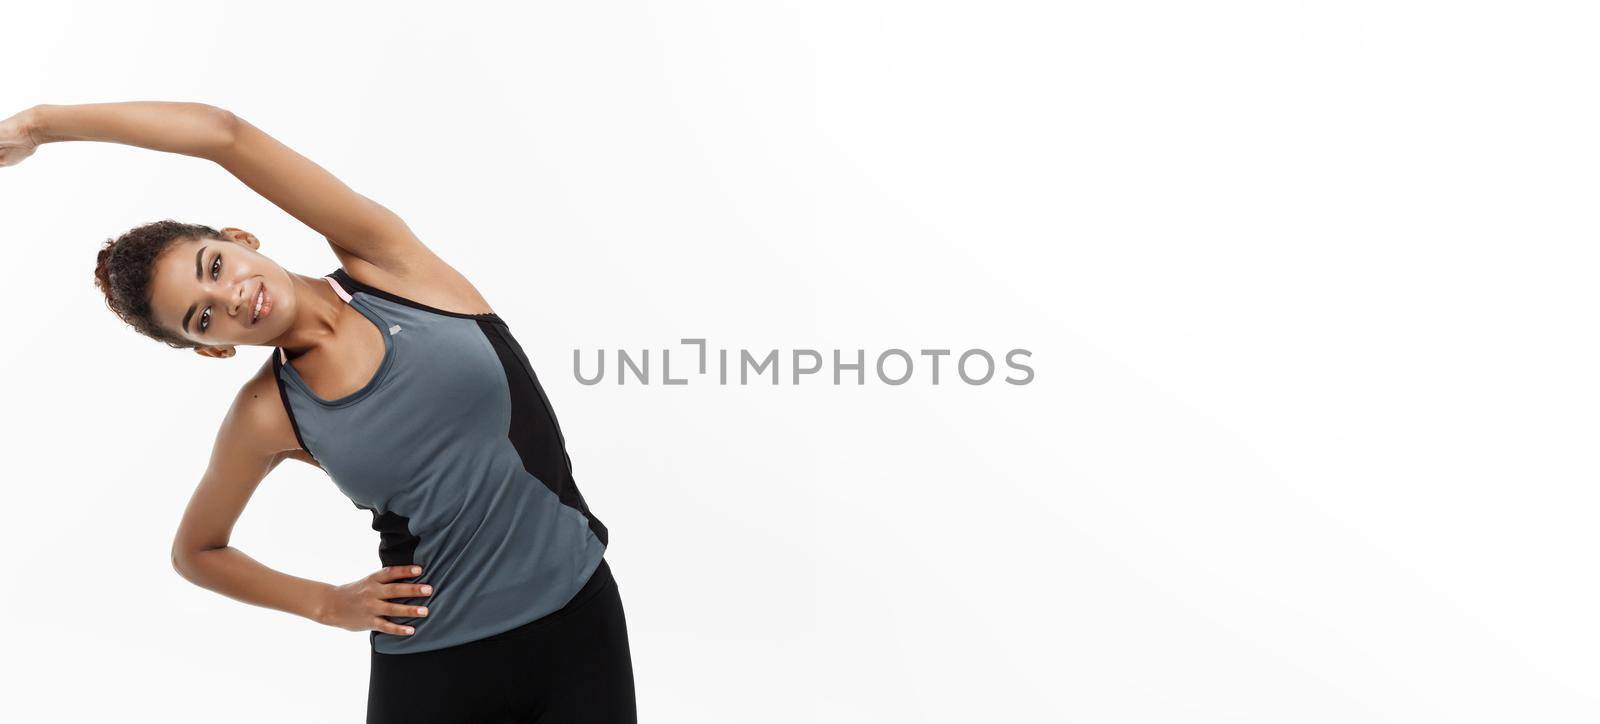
(178, 564)
(221, 129)
(183, 561)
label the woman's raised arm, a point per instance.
(292, 182)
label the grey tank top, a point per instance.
(454, 448)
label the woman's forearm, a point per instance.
(191, 129)
(230, 572)
(349, 221)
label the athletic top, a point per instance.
(453, 447)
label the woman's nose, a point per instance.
(236, 298)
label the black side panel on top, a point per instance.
(397, 546)
(534, 430)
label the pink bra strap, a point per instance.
(338, 289)
(282, 357)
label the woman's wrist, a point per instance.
(320, 600)
(32, 121)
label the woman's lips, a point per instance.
(266, 305)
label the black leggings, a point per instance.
(570, 666)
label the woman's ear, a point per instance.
(240, 236)
(223, 352)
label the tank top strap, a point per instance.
(338, 289)
(284, 357)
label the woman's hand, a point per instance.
(360, 606)
(17, 138)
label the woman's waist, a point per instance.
(474, 602)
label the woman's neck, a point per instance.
(316, 315)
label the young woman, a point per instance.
(393, 375)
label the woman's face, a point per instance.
(205, 290)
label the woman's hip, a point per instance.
(571, 665)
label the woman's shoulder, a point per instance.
(257, 423)
(424, 281)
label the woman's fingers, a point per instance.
(395, 573)
(406, 590)
(401, 610)
(387, 589)
(390, 627)
(13, 155)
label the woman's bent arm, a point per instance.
(249, 445)
(227, 570)
(255, 437)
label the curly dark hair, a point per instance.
(126, 267)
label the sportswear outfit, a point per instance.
(455, 450)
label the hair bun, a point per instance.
(102, 268)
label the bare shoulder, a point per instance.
(254, 437)
(257, 425)
(420, 276)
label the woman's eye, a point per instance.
(216, 266)
(205, 319)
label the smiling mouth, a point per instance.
(263, 305)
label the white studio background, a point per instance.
(1309, 288)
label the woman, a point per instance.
(393, 375)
